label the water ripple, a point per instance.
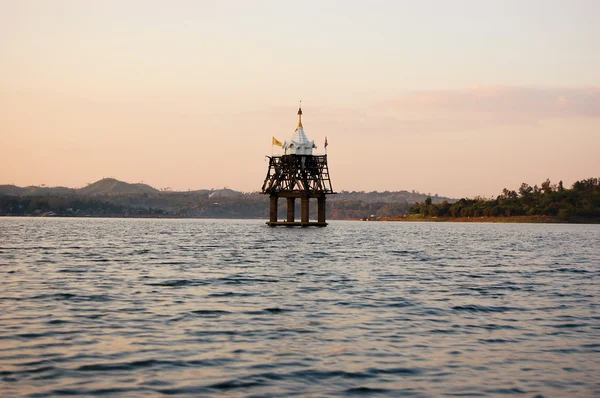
(199, 308)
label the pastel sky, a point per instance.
(459, 98)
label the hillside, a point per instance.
(111, 196)
(389, 197)
(580, 202)
(35, 191)
(224, 193)
(13, 190)
(114, 187)
(111, 186)
(106, 186)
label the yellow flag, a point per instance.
(276, 142)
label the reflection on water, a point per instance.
(204, 307)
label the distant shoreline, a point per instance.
(504, 220)
(510, 219)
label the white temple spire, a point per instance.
(299, 143)
(299, 116)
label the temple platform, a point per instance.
(296, 224)
(298, 174)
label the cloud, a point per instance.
(486, 106)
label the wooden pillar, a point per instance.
(273, 213)
(321, 206)
(304, 209)
(291, 209)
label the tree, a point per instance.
(525, 190)
(455, 209)
(547, 186)
(506, 194)
(433, 211)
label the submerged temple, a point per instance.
(298, 174)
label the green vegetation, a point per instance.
(580, 203)
(113, 198)
(69, 206)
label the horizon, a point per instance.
(169, 190)
(460, 99)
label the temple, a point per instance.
(298, 174)
(299, 143)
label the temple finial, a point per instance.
(299, 116)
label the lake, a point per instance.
(153, 307)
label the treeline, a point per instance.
(344, 209)
(185, 205)
(68, 206)
(389, 197)
(582, 200)
(201, 204)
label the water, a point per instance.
(138, 308)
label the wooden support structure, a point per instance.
(291, 209)
(304, 203)
(321, 208)
(298, 176)
(273, 212)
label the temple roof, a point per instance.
(299, 143)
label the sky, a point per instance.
(458, 98)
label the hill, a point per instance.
(114, 187)
(224, 193)
(111, 196)
(390, 197)
(111, 186)
(9, 189)
(35, 190)
(104, 187)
